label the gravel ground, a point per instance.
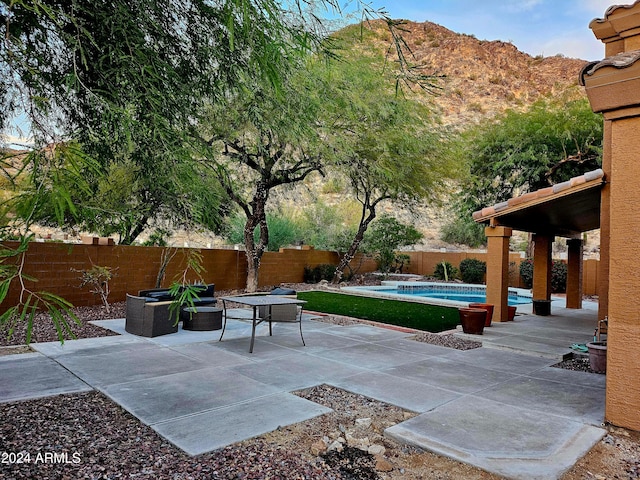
(88, 436)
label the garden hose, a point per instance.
(580, 347)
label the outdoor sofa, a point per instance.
(205, 295)
(149, 315)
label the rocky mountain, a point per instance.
(483, 78)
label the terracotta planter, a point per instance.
(472, 320)
(598, 356)
(511, 313)
(488, 308)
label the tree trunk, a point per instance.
(368, 214)
(253, 265)
(256, 218)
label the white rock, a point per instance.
(337, 446)
(363, 422)
(376, 450)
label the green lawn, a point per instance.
(421, 316)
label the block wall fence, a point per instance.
(57, 266)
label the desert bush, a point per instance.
(472, 270)
(465, 232)
(526, 272)
(97, 279)
(383, 239)
(325, 271)
(283, 231)
(559, 277)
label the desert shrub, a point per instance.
(465, 232)
(472, 270)
(526, 272)
(283, 231)
(328, 227)
(325, 271)
(384, 238)
(399, 262)
(97, 279)
(558, 275)
(445, 271)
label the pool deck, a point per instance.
(501, 407)
(548, 336)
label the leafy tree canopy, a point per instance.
(521, 152)
(551, 142)
(388, 146)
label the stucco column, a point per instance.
(542, 247)
(613, 88)
(623, 336)
(574, 273)
(498, 270)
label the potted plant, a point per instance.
(488, 308)
(597, 356)
(472, 320)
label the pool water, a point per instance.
(458, 293)
(467, 298)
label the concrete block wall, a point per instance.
(56, 266)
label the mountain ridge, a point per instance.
(483, 78)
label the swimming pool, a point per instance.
(446, 294)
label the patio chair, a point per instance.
(282, 313)
(148, 319)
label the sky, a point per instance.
(537, 27)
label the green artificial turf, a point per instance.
(421, 316)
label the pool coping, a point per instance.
(375, 291)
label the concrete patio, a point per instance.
(502, 407)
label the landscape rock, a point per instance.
(382, 464)
(376, 450)
(318, 448)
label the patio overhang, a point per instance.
(566, 209)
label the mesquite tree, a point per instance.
(386, 145)
(256, 142)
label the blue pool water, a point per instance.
(453, 293)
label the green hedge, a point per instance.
(558, 275)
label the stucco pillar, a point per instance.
(574, 273)
(623, 336)
(498, 270)
(542, 247)
(613, 88)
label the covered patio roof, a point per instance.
(565, 209)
